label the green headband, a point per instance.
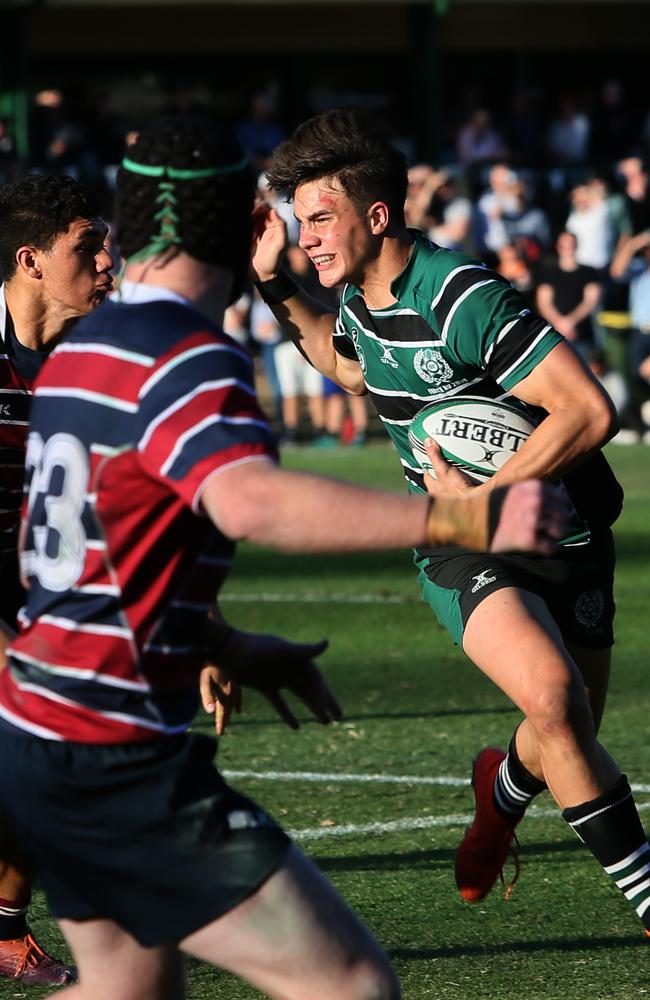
(182, 175)
(166, 215)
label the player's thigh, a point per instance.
(112, 965)
(513, 639)
(295, 938)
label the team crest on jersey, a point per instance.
(589, 608)
(432, 368)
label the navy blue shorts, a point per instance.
(577, 585)
(148, 835)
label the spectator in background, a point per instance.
(478, 142)
(434, 206)
(568, 135)
(477, 146)
(568, 294)
(589, 222)
(515, 268)
(613, 126)
(635, 191)
(500, 197)
(267, 335)
(350, 429)
(260, 133)
(632, 262)
(525, 130)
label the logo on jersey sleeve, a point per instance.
(432, 368)
(354, 333)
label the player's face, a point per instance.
(336, 238)
(76, 271)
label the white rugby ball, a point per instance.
(476, 435)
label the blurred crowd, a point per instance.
(555, 198)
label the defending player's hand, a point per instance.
(219, 694)
(270, 664)
(530, 516)
(269, 242)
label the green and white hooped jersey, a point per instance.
(456, 328)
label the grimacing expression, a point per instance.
(76, 269)
(336, 237)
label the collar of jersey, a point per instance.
(137, 292)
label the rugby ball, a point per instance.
(476, 435)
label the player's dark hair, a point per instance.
(185, 185)
(35, 210)
(352, 147)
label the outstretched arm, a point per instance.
(309, 324)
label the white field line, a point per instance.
(394, 826)
(272, 598)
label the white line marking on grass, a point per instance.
(318, 598)
(410, 823)
(386, 779)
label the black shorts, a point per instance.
(148, 835)
(577, 585)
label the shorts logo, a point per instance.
(482, 580)
(431, 367)
(589, 608)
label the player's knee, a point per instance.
(559, 709)
(372, 979)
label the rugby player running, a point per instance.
(418, 323)
(54, 268)
(148, 456)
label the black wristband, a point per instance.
(495, 503)
(278, 289)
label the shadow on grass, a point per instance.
(550, 945)
(367, 716)
(429, 859)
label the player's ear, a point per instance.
(28, 262)
(378, 218)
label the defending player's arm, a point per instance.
(309, 324)
(296, 511)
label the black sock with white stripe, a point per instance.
(13, 918)
(515, 787)
(611, 829)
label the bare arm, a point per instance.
(625, 253)
(299, 512)
(580, 419)
(309, 324)
(588, 303)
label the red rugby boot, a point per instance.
(491, 837)
(24, 960)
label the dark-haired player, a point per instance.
(54, 268)
(418, 323)
(146, 435)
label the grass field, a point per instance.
(417, 711)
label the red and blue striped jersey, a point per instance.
(131, 416)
